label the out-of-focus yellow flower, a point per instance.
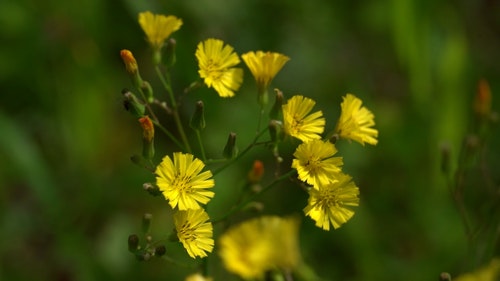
(482, 100)
(182, 182)
(296, 121)
(356, 121)
(315, 163)
(264, 67)
(158, 27)
(216, 63)
(194, 232)
(197, 277)
(261, 244)
(490, 272)
(330, 203)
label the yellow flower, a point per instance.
(296, 121)
(356, 122)
(158, 27)
(182, 183)
(197, 277)
(330, 203)
(194, 232)
(261, 244)
(216, 63)
(490, 272)
(315, 163)
(264, 66)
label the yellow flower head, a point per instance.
(315, 163)
(194, 232)
(296, 121)
(489, 272)
(330, 203)
(182, 183)
(261, 244)
(197, 277)
(216, 63)
(158, 27)
(356, 122)
(264, 66)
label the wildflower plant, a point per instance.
(186, 178)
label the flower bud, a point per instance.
(256, 173)
(146, 222)
(230, 150)
(133, 242)
(132, 104)
(482, 100)
(148, 134)
(160, 251)
(148, 91)
(276, 131)
(152, 189)
(170, 56)
(131, 67)
(277, 106)
(444, 276)
(198, 120)
(445, 158)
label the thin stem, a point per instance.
(261, 114)
(169, 135)
(200, 142)
(165, 80)
(252, 144)
(254, 196)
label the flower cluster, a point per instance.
(185, 178)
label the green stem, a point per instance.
(200, 142)
(165, 80)
(254, 196)
(172, 137)
(227, 164)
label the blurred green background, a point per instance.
(70, 196)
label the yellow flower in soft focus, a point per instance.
(490, 272)
(356, 122)
(216, 63)
(182, 182)
(264, 66)
(315, 163)
(194, 232)
(261, 244)
(296, 121)
(197, 277)
(330, 203)
(158, 27)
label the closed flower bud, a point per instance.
(170, 56)
(132, 104)
(256, 173)
(148, 91)
(230, 150)
(276, 110)
(152, 189)
(131, 67)
(276, 131)
(198, 120)
(146, 222)
(133, 242)
(482, 100)
(148, 134)
(160, 251)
